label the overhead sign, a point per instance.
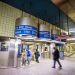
(54, 37)
(59, 44)
(44, 31)
(63, 36)
(26, 30)
(44, 34)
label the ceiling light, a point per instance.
(70, 39)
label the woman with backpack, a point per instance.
(28, 56)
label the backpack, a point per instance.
(28, 53)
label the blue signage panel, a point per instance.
(44, 34)
(26, 30)
(63, 40)
(54, 37)
(59, 44)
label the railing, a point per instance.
(68, 54)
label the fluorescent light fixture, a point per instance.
(70, 39)
(66, 32)
(72, 31)
(26, 37)
(42, 39)
(72, 43)
(54, 41)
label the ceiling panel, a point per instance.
(69, 9)
(43, 9)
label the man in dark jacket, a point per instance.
(56, 58)
(37, 54)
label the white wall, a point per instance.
(3, 59)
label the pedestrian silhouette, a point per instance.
(37, 54)
(28, 56)
(56, 58)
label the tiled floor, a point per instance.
(43, 68)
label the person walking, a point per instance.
(23, 58)
(37, 54)
(28, 56)
(56, 58)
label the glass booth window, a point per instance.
(46, 49)
(3, 46)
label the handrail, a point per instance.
(69, 54)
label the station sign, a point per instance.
(26, 30)
(63, 36)
(44, 31)
(44, 34)
(55, 37)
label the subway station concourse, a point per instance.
(31, 31)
